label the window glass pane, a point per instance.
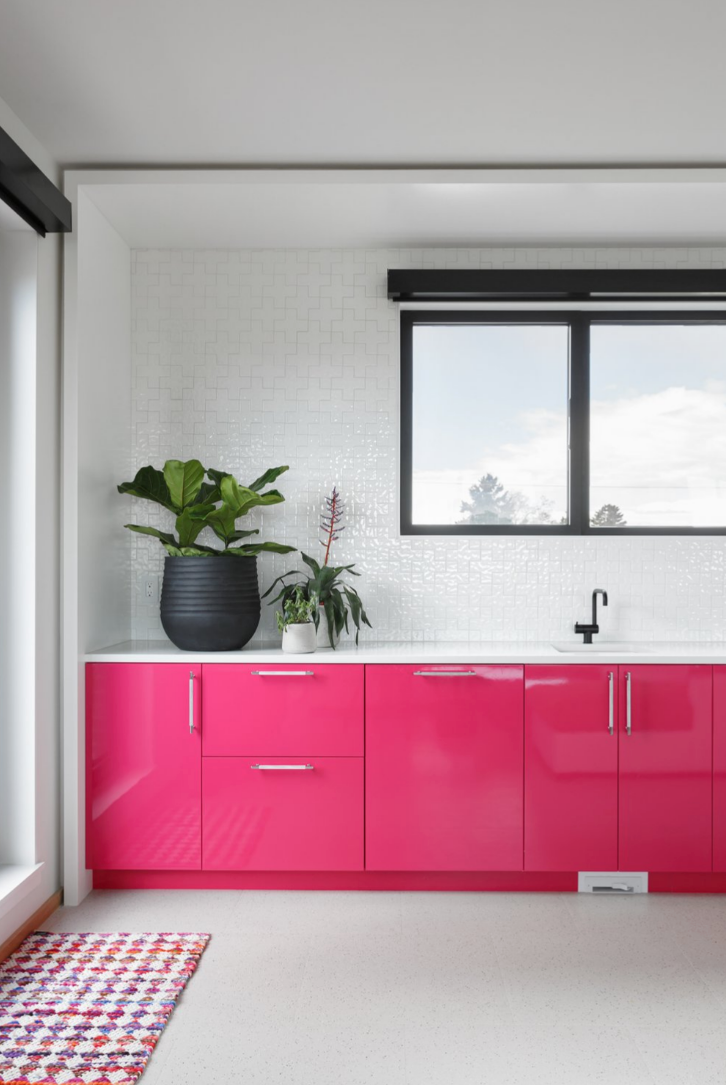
(658, 425)
(490, 424)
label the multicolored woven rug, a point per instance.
(88, 1009)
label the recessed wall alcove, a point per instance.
(242, 317)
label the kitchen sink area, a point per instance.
(611, 647)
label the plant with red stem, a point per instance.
(331, 525)
(324, 583)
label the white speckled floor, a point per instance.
(436, 988)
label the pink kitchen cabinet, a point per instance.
(665, 776)
(143, 758)
(550, 769)
(571, 768)
(283, 813)
(444, 764)
(719, 768)
(283, 709)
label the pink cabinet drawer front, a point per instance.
(282, 710)
(444, 767)
(277, 813)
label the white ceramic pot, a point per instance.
(299, 638)
(322, 637)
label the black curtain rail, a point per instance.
(558, 285)
(30, 194)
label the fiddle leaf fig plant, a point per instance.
(197, 504)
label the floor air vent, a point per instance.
(615, 882)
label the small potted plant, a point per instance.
(210, 599)
(296, 622)
(335, 599)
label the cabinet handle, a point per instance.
(283, 768)
(191, 702)
(282, 674)
(444, 674)
(611, 704)
(629, 706)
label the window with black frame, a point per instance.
(552, 422)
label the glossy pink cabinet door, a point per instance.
(665, 768)
(143, 782)
(571, 768)
(444, 764)
(719, 768)
(283, 815)
(283, 709)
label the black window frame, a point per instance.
(580, 322)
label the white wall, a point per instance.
(248, 359)
(37, 488)
(18, 306)
(97, 574)
(104, 426)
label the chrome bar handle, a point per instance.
(281, 674)
(611, 703)
(445, 674)
(191, 702)
(283, 768)
(629, 716)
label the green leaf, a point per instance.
(278, 580)
(165, 536)
(184, 481)
(329, 609)
(233, 494)
(356, 609)
(221, 521)
(270, 497)
(341, 613)
(311, 562)
(269, 476)
(235, 536)
(191, 522)
(258, 548)
(150, 485)
(327, 577)
(240, 499)
(191, 551)
(217, 476)
(208, 494)
(280, 595)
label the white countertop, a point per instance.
(423, 652)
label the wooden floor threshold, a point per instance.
(39, 916)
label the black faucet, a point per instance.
(588, 630)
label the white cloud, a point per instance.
(660, 456)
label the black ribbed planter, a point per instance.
(210, 604)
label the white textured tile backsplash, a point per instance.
(249, 359)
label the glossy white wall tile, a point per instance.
(248, 359)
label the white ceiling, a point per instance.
(288, 211)
(368, 81)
